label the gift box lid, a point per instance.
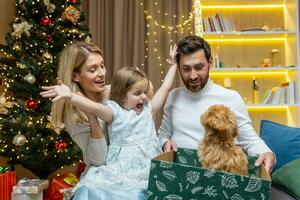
(30, 186)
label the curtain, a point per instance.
(138, 33)
(119, 28)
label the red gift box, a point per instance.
(80, 168)
(7, 181)
(58, 183)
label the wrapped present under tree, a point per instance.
(7, 181)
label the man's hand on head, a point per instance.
(170, 145)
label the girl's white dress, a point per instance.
(133, 142)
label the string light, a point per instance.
(154, 26)
(198, 17)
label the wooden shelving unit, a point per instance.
(242, 53)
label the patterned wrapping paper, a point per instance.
(56, 189)
(7, 181)
(179, 176)
(30, 186)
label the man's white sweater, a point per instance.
(182, 111)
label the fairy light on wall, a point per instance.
(155, 28)
(198, 17)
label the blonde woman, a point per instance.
(82, 69)
(129, 115)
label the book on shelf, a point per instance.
(218, 24)
(284, 94)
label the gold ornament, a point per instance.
(51, 125)
(48, 56)
(21, 65)
(19, 140)
(20, 28)
(50, 6)
(30, 78)
(4, 104)
(74, 30)
(17, 47)
(71, 14)
(87, 39)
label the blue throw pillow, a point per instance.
(283, 140)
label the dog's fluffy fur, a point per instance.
(218, 150)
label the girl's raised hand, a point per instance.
(56, 92)
(172, 55)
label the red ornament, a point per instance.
(45, 21)
(50, 39)
(60, 145)
(31, 104)
(73, 1)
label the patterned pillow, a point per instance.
(283, 140)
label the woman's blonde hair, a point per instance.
(71, 60)
(123, 81)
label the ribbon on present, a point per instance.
(4, 169)
(71, 179)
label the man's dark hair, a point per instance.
(191, 44)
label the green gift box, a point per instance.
(179, 176)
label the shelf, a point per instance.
(259, 69)
(253, 71)
(241, 36)
(249, 50)
(239, 3)
(271, 106)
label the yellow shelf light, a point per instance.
(267, 39)
(247, 73)
(241, 6)
(266, 107)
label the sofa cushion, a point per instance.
(287, 177)
(283, 140)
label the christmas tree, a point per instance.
(39, 31)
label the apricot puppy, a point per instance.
(218, 150)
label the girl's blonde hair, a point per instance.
(123, 81)
(71, 60)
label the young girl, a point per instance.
(131, 131)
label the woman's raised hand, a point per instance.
(56, 92)
(172, 55)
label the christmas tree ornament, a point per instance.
(45, 21)
(20, 28)
(19, 140)
(74, 30)
(47, 56)
(60, 145)
(71, 14)
(4, 104)
(51, 125)
(31, 104)
(50, 6)
(17, 47)
(21, 65)
(30, 78)
(50, 39)
(73, 1)
(87, 39)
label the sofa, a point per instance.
(284, 141)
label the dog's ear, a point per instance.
(220, 118)
(232, 123)
(214, 120)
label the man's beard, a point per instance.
(196, 88)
